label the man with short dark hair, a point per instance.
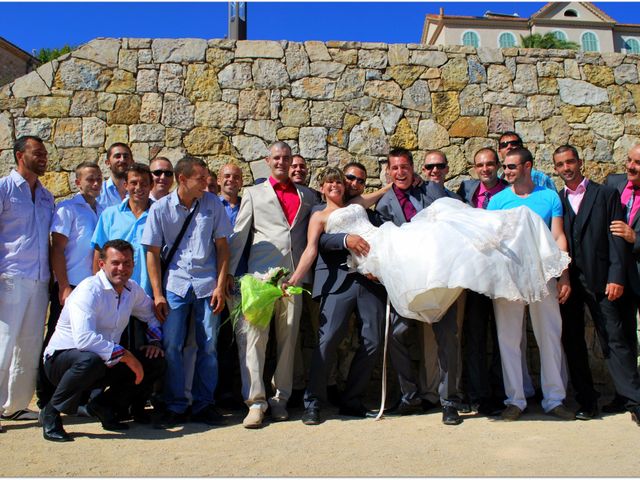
(119, 159)
(84, 351)
(162, 171)
(598, 269)
(545, 314)
(71, 253)
(399, 205)
(485, 386)
(26, 208)
(192, 282)
(511, 140)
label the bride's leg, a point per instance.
(509, 318)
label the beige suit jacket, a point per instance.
(262, 222)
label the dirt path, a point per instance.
(397, 446)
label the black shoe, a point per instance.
(52, 426)
(168, 419)
(140, 415)
(405, 408)
(587, 412)
(428, 405)
(353, 411)
(311, 416)
(106, 416)
(635, 415)
(617, 405)
(490, 408)
(450, 416)
(333, 395)
(209, 415)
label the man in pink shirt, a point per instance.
(598, 275)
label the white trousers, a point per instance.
(23, 306)
(252, 346)
(547, 328)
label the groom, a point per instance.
(399, 205)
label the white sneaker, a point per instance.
(253, 419)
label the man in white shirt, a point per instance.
(84, 352)
(26, 208)
(72, 226)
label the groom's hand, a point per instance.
(357, 245)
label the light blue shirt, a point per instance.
(109, 194)
(542, 179)
(24, 228)
(119, 222)
(75, 219)
(232, 212)
(194, 263)
(543, 201)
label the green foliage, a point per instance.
(47, 54)
(548, 40)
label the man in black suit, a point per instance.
(341, 292)
(597, 272)
(485, 385)
(399, 205)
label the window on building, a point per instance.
(570, 13)
(590, 42)
(471, 39)
(507, 40)
(632, 45)
(560, 35)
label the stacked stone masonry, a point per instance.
(332, 102)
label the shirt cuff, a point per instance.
(154, 334)
(344, 241)
(116, 354)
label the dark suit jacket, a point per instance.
(331, 264)
(468, 189)
(600, 256)
(619, 181)
(388, 208)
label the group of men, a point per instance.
(142, 273)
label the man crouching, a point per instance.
(84, 352)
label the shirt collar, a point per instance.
(19, 179)
(288, 185)
(498, 187)
(630, 186)
(106, 284)
(581, 188)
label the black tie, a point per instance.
(485, 202)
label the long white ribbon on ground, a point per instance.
(384, 362)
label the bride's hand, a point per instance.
(357, 245)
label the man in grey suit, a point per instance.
(342, 291)
(273, 218)
(399, 205)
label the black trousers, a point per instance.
(74, 373)
(483, 380)
(613, 322)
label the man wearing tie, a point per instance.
(597, 273)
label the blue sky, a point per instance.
(54, 24)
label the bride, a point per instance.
(446, 248)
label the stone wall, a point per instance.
(333, 102)
(11, 65)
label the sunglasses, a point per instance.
(438, 166)
(510, 166)
(353, 178)
(514, 143)
(166, 173)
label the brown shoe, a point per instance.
(562, 412)
(511, 413)
(253, 419)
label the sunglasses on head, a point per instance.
(166, 173)
(514, 143)
(437, 166)
(510, 166)
(353, 178)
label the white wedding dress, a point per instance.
(449, 246)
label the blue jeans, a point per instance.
(174, 329)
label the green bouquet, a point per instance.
(259, 293)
